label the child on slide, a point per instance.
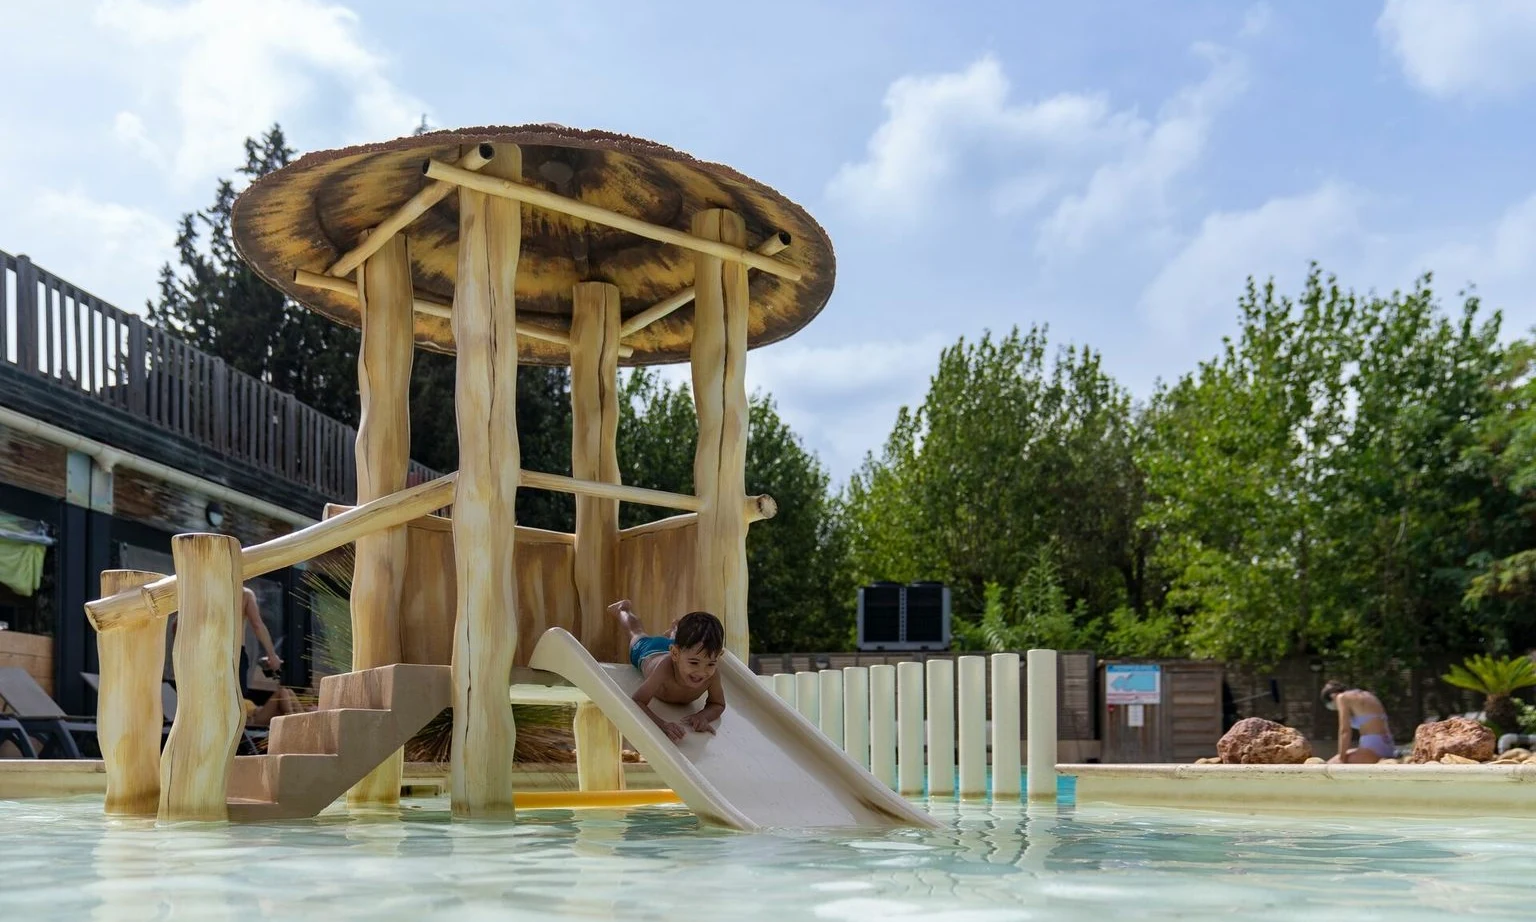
(678, 667)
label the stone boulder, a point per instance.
(1256, 741)
(1457, 736)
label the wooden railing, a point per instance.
(70, 338)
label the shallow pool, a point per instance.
(62, 860)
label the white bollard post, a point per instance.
(808, 696)
(882, 723)
(1040, 772)
(909, 728)
(765, 681)
(972, 676)
(1005, 725)
(832, 705)
(941, 727)
(856, 720)
(784, 687)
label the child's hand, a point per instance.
(620, 605)
(699, 723)
(674, 731)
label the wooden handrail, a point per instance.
(160, 598)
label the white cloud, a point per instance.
(941, 130)
(1137, 183)
(1093, 167)
(843, 399)
(1498, 261)
(128, 129)
(1462, 47)
(231, 69)
(112, 250)
(1257, 21)
(1200, 284)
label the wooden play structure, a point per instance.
(538, 244)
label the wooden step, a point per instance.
(315, 757)
(322, 732)
(260, 778)
(403, 686)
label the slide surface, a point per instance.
(765, 766)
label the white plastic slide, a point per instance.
(765, 766)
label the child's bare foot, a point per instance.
(625, 612)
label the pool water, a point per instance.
(60, 859)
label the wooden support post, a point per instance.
(383, 457)
(198, 756)
(594, 455)
(485, 633)
(720, 399)
(128, 711)
(599, 763)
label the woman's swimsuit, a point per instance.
(1379, 743)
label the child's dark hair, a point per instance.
(700, 629)
(1331, 690)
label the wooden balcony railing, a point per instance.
(53, 330)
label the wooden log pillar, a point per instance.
(594, 456)
(383, 458)
(720, 400)
(129, 715)
(485, 632)
(599, 760)
(198, 756)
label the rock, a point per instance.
(629, 755)
(1315, 760)
(1256, 741)
(1517, 754)
(1208, 760)
(1460, 736)
(1387, 762)
(1451, 758)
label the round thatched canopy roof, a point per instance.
(306, 215)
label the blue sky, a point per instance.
(1111, 169)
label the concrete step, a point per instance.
(324, 732)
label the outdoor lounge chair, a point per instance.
(41, 716)
(12, 730)
(248, 737)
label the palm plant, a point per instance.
(543, 731)
(1497, 679)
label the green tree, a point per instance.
(216, 302)
(1307, 486)
(1010, 452)
(800, 596)
(1497, 679)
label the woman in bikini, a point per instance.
(1359, 710)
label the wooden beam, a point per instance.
(484, 513)
(519, 192)
(383, 457)
(774, 244)
(429, 306)
(160, 598)
(414, 207)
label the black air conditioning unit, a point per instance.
(897, 617)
